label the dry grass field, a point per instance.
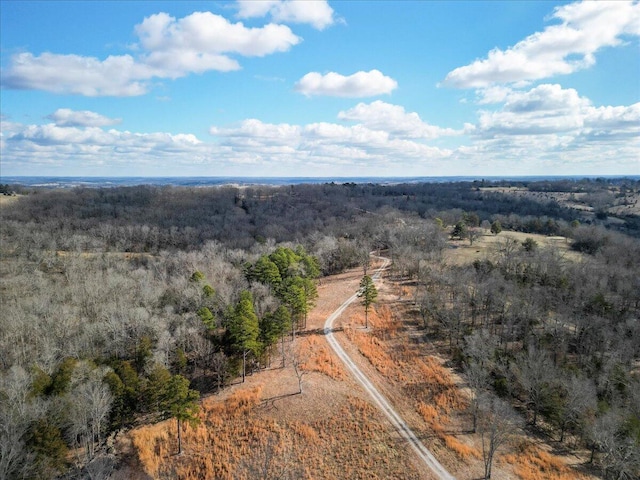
(624, 204)
(460, 252)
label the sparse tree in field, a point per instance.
(299, 358)
(368, 294)
(364, 256)
(498, 422)
(459, 230)
(496, 227)
(181, 403)
(274, 326)
(299, 295)
(529, 245)
(473, 234)
(220, 367)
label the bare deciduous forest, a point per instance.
(123, 306)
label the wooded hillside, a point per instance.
(122, 306)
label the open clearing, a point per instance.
(333, 430)
(460, 252)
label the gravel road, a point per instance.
(383, 404)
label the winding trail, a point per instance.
(383, 404)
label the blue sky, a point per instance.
(317, 88)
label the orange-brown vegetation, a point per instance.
(429, 384)
(236, 438)
(321, 359)
(530, 462)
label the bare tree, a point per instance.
(535, 374)
(89, 406)
(579, 399)
(478, 382)
(299, 358)
(473, 234)
(220, 367)
(619, 453)
(498, 422)
(16, 414)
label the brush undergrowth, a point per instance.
(236, 440)
(530, 462)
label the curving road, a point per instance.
(383, 404)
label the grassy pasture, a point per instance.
(460, 252)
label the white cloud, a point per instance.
(552, 129)
(495, 94)
(255, 132)
(547, 128)
(204, 33)
(326, 144)
(90, 149)
(65, 117)
(558, 50)
(317, 13)
(360, 84)
(550, 109)
(394, 119)
(170, 48)
(73, 74)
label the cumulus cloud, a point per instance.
(394, 119)
(87, 149)
(551, 109)
(550, 128)
(379, 148)
(317, 13)
(65, 117)
(585, 28)
(169, 48)
(117, 75)
(546, 128)
(360, 84)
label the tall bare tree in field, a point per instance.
(498, 422)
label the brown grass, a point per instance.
(463, 253)
(436, 394)
(372, 348)
(530, 462)
(462, 450)
(321, 359)
(231, 442)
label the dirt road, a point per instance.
(382, 403)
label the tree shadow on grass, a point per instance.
(270, 403)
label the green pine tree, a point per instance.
(368, 293)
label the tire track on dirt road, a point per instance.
(383, 404)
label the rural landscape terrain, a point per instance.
(468, 330)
